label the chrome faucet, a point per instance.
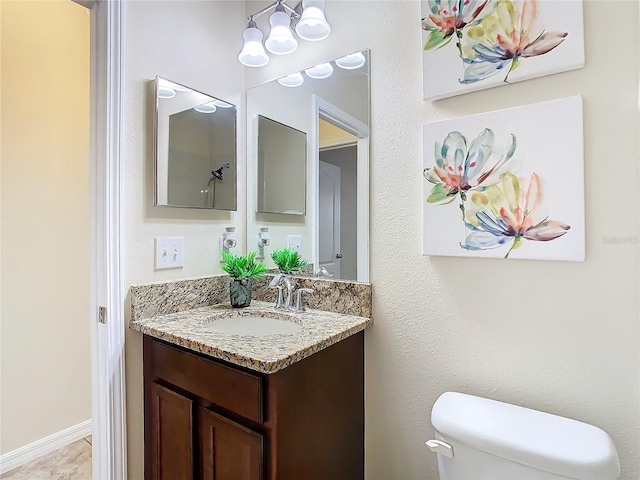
(275, 284)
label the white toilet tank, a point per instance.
(478, 439)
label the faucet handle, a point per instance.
(298, 306)
(280, 299)
(323, 272)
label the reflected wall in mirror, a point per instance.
(282, 162)
(334, 113)
(195, 149)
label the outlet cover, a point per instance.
(169, 252)
(294, 242)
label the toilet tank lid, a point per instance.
(540, 440)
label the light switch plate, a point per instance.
(294, 242)
(169, 252)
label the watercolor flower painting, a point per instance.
(504, 182)
(447, 19)
(504, 39)
(509, 212)
(460, 168)
(474, 44)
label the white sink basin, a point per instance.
(253, 326)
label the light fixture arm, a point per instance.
(278, 5)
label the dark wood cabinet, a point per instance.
(228, 449)
(170, 419)
(208, 419)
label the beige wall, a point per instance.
(557, 336)
(46, 376)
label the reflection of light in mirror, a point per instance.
(222, 104)
(167, 89)
(351, 62)
(293, 80)
(324, 70)
(166, 92)
(205, 108)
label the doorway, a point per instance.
(103, 280)
(337, 206)
(46, 340)
(340, 178)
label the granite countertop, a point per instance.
(266, 354)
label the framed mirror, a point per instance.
(195, 149)
(281, 149)
(330, 104)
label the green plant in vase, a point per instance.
(241, 269)
(288, 261)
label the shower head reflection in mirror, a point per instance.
(195, 141)
(341, 102)
(211, 187)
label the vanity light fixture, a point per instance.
(308, 19)
(313, 25)
(324, 70)
(253, 54)
(280, 40)
(293, 80)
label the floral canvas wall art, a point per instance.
(506, 184)
(470, 45)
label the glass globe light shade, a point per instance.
(313, 25)
(253, 54)
(280, 40)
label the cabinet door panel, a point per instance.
(228, 451)
(171, 435)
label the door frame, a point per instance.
(109, 447)
(322, 109)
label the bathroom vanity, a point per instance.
(233, 407)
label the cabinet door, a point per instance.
(228, 450)
(171, 442)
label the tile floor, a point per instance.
(72, 462)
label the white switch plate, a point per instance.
(169, 252)
(294, 242)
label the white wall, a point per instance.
(187, 42)
(46, 375)
(561, 337)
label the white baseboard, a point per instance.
(37, 449)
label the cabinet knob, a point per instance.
(338, 255)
